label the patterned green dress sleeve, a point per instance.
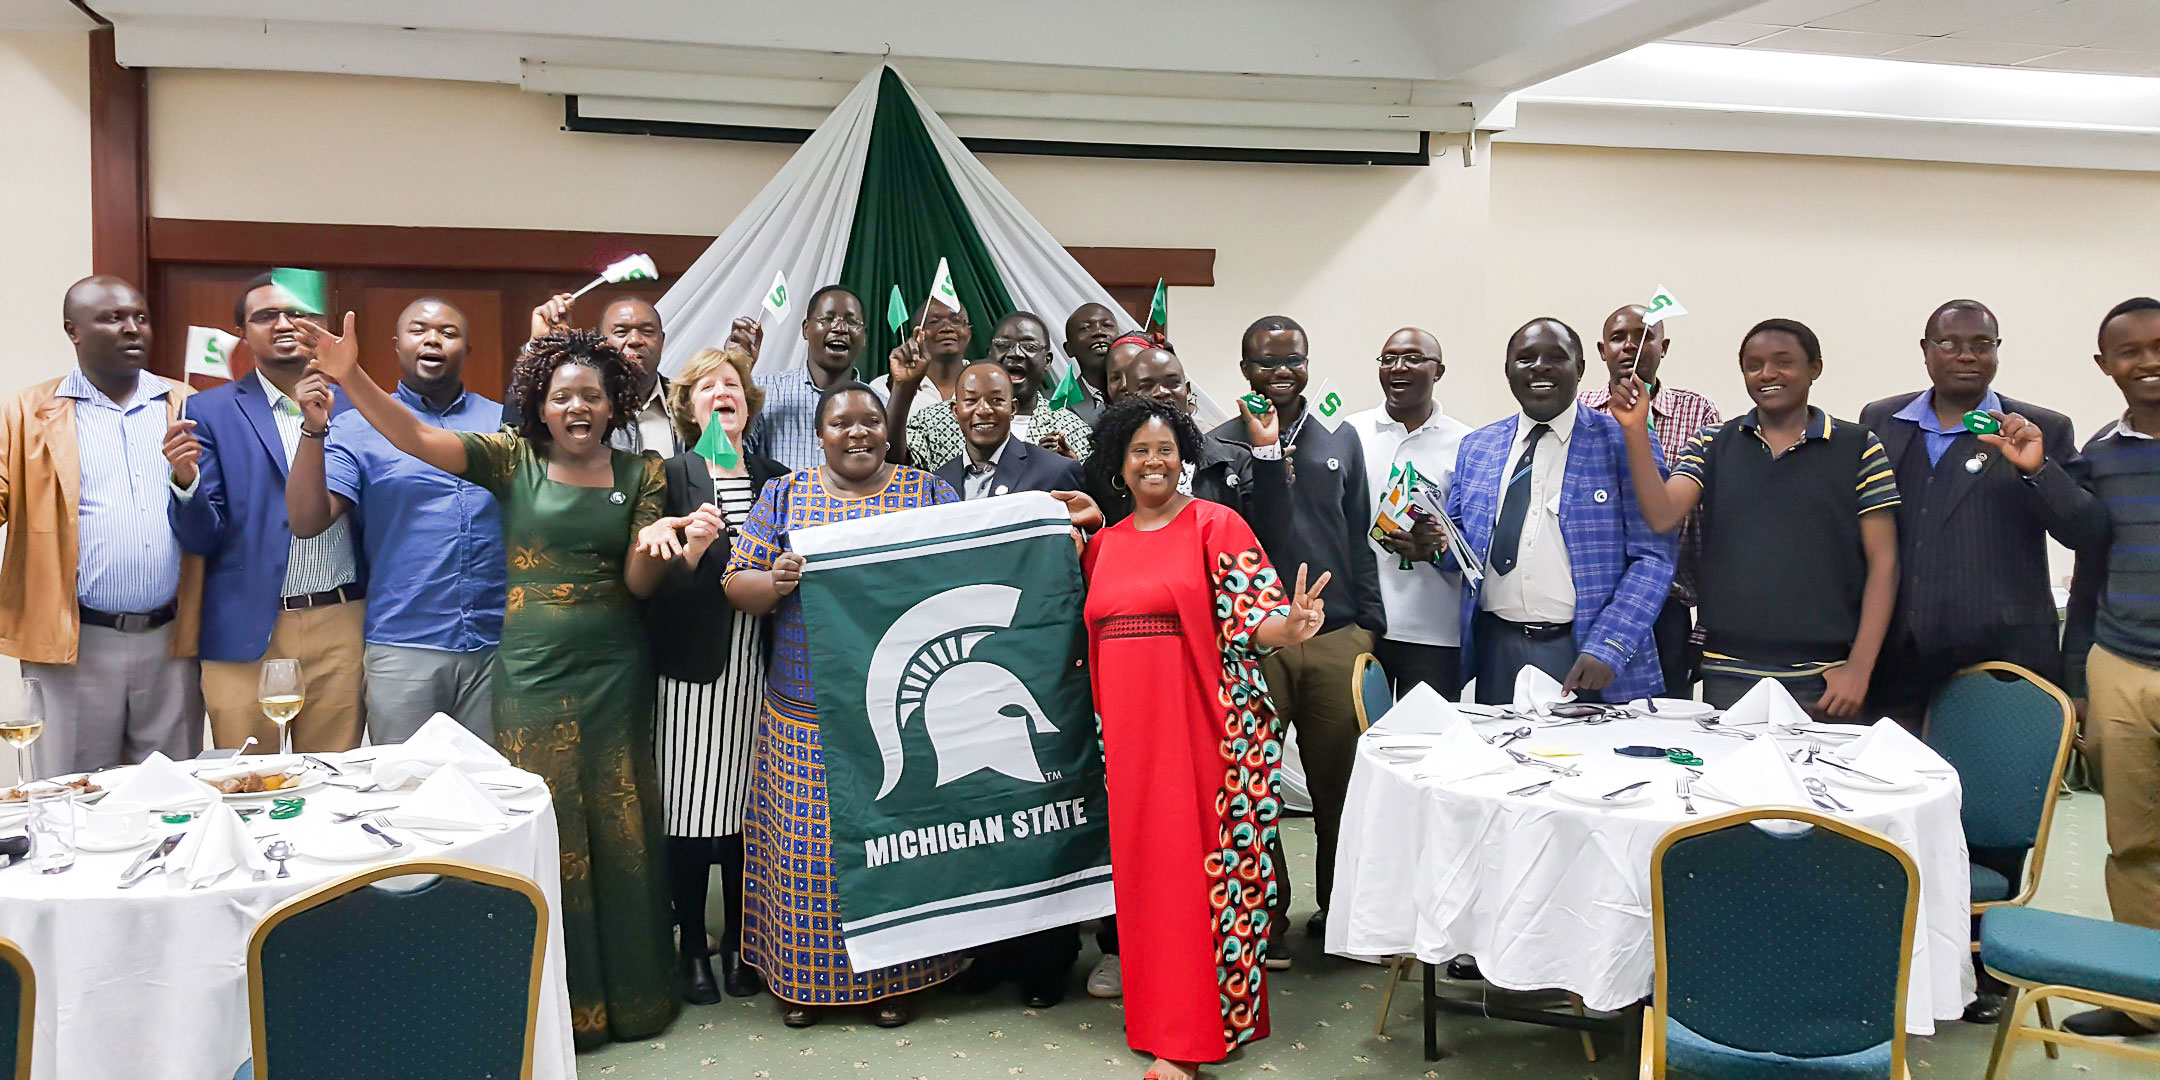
(490, 458)
(651, 495)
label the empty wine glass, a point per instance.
(281, 694)
(24, 728)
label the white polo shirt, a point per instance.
(1423, 603)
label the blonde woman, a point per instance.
(710, 660)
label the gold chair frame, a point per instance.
(331, 890)
(1654, 1017)
(26, 1024)
(1357, 688)
(2009, 1032)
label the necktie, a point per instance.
(1507, 534)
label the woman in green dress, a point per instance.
(573, 677)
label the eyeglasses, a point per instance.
(944, 320)
(1029, 349)
(269, 316)
(1982, 347)
(1405, 359)
(1292, 360)
(844, 322)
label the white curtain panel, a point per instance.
(798, 224)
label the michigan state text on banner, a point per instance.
(959, 735)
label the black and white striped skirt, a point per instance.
(704, 733)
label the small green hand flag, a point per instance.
(209, 352)
(715, 447)
(776, 298)
(941, 289)
(1158, 312)
(308, 289)
(896, 310)
(1068, 392)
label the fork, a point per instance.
(382, 821)
(1685, 786)
(1525, 759)
(343, 816)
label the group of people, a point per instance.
(566, 574)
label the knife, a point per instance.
(1832, 761)
(1610, 796)
(144, 862)
(381, 835)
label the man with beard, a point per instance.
(268, 593)
(1021, 346)
(1631, 349)
(435, 608)
(786, 426)
(1089, 330)
(96, 598)
(1324, 527)
(1409, 431)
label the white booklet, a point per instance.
(1473, 571)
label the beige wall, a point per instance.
(1352, 252)
(45, 190)
(1859, 250)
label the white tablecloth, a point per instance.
(152, 981)
(1551, 894)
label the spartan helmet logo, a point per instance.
(978, 714)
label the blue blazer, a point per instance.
(236, 518)
(1022, 467)
(1622, 570)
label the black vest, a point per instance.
(1782, 565)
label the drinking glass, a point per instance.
(52, 827)
(281, 695)
(23, 729)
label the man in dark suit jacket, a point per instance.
(1977, 512)
(993, 462)
(268, 594)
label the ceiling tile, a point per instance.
(1730, 33)
(1792, 12)
(1838, 42)
(1930, 18)
(2102, 61)
(2070, 23)
(1962, 51)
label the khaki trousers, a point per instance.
(1310, 686)
(2123, 716)
(327, 642)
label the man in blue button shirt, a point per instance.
(434, 542)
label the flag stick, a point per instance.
(589, 286)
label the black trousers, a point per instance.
(1908, 675)
(1042, 960)
(1408, 664)
(1674, 631)
(1504, 648)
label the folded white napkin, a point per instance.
(159, 783)
(1889, 748)
(1460, 754)
(1767, 702)
(1534, 690)
(1757, 775)
(439, 742)
(450, 799)
(216, 844)
(1420, 710)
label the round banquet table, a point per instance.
(152, 981)
(1550, 894)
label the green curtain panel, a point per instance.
(908, 216)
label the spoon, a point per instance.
(279, 853)
(1711, 726)
(1821, 793)
(1507, 737)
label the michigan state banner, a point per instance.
(961, 760)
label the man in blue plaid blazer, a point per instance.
(1574, 578)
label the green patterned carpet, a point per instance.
(1324, 1011)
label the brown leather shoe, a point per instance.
(892, 1013)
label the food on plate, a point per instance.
(81, 784)
(254, 783)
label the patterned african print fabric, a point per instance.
(934, 436)
(1192, 747)
(791, 921)
(573, 703)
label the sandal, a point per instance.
(796, 1016)
(892, 1014)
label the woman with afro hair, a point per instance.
(573, 677)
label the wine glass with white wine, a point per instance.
(23, 729)
(281, 694)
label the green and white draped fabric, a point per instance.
(878, 194)
(961, 761)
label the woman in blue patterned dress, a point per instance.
(791, 926)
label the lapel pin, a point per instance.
(1333, 464)
(1599, 496)
(617, 497)
(1976, 463)
(1002, 489)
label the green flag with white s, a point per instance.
(964, 774)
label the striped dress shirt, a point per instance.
(127, 559)
(325, 561)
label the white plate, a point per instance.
(346, 843)
(1836, 777)
(1591, 793)
(86, 842)
(1673, 709)
(1401, 755)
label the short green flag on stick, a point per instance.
(1158, 312)
(309, 289)
(896, 310)
(714, 445)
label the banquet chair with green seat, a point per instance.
(2007, 732)
(2045, 955)
(1782, 951)
(18, 1010)
(1369, 690)
(438, 976)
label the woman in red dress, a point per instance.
(1181, 604)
